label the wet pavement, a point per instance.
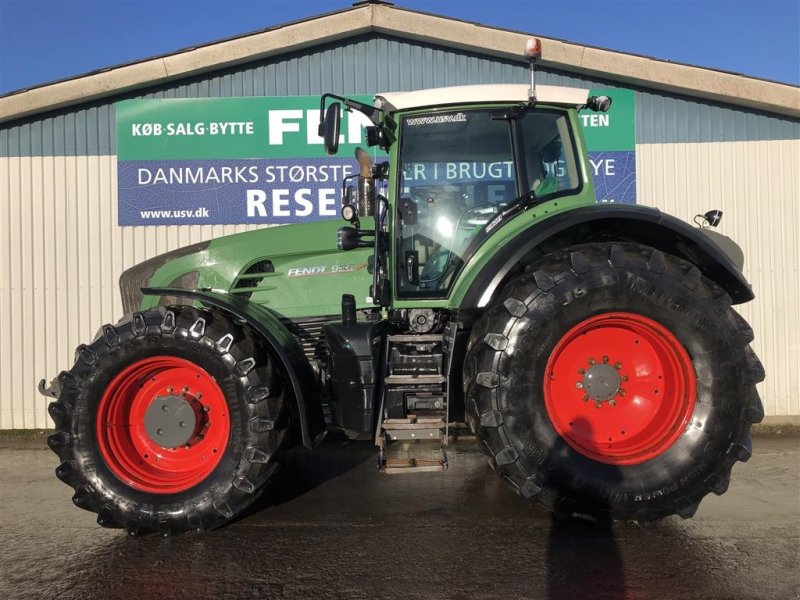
(332, 527)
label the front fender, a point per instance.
(610, 222)
(284, 345)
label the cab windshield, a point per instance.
(458, 171)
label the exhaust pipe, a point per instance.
(366, 185)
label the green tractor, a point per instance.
(591, 348)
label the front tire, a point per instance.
(613, 381)
(171, 420)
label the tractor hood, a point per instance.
(295, 270)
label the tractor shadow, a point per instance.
(302, 470)
(583, 561)
(583, 557)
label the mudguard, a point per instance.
(283, 344)
(613, 222)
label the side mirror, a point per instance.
(329, 128)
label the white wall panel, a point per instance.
(61, 253)
(757, 186)
(61, 256)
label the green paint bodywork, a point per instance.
(311, 274)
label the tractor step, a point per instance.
(413, 433)
(414, 380)
(414, 428)
(397, 466)
(413, 445)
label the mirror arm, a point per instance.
(367, 109)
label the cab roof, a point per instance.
(473, 94)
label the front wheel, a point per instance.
(171, 420)
(614, 381)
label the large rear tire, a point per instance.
(171, 420)
(613, 381)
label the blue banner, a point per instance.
(614, 174)
(206, 192)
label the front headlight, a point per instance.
(187, 281)
(132, 280)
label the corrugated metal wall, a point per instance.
(62, 254)
(62, 250)
(757, 186)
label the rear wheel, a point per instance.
(170, 420)
(612, 380)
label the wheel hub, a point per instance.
(602, 382)
(620, 388)
(170, 421)
(162, 424)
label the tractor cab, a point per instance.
(463, 162)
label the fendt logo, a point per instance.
(322, 270)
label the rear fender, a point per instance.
(610, 222)
(283, 345)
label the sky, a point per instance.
(46, 40)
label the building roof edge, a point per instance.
(630, 69)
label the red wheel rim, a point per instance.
(127, 447)
(619, 388)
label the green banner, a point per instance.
(612, 130)
(214, 128)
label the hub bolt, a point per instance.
(621, 392)
(605, 360)
(586, 397)
(612, 402)
(618, 366)
(579, 385)
(170, 389)
(591, 360)
(581, 371)
(598, 404)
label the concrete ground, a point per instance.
(334, 528)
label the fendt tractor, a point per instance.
(592, 348)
